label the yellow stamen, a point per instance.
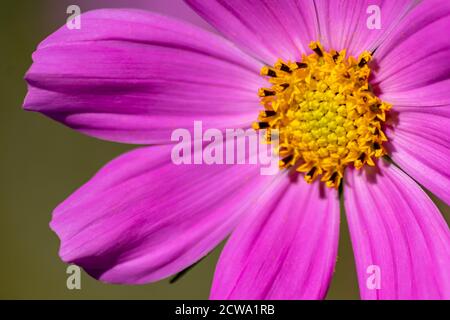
(325, 112)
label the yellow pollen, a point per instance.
(325, 112)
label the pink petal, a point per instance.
(132, 76)
(412, 66)
(344, 24)
(413, 75)
(142, 218)
(287, 251)
(266, 29)
(395, 227)
(172, 8)
(420, 144)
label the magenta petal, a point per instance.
(400, 239)
(266, 29)
(412, 66)
(142, 218)
(420, 144)
(413, 75)
(287, 250)
(343, 24)
(132, 76)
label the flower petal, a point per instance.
(132, 76)
(419, 143)
(142, 218)
(287, 251)
(345, 24)
(412, 66)
(266, 29)
(399, 236)
(413, 74)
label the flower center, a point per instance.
(326, 115)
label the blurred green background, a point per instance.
(42, 162)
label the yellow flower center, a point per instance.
(326, 115)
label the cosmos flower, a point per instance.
(359, 109)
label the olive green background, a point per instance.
(42, 162)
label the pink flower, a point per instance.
(133, 77)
